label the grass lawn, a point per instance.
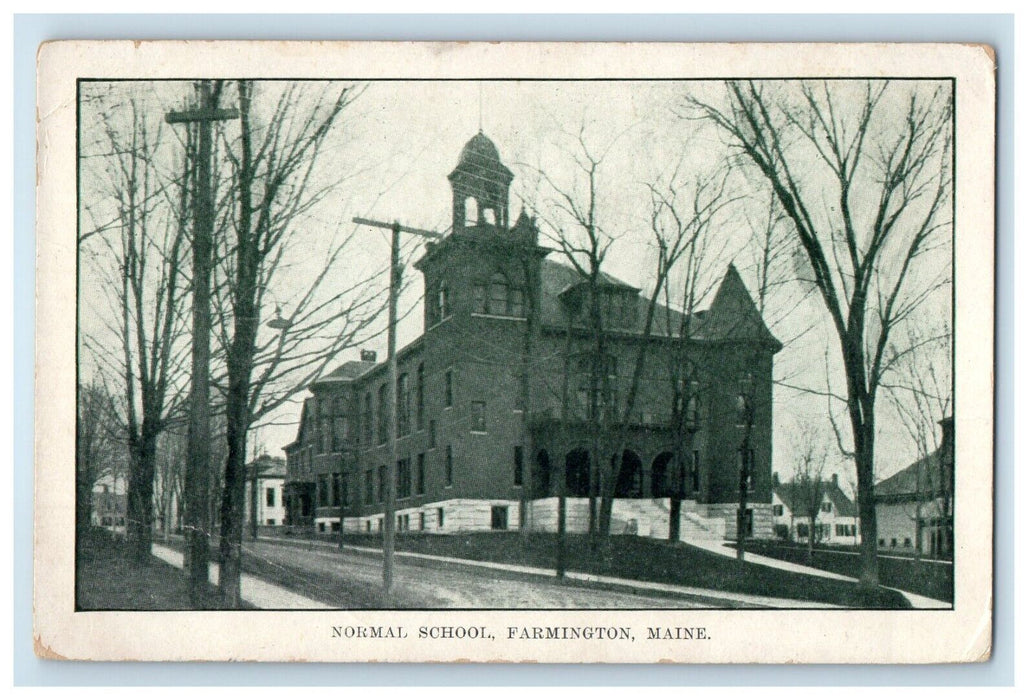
(641, 559)
(928, 578)
(107, 579)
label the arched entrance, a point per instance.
(660, 478)
(629, 483)
(576, 471)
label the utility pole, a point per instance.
(198, 432)
(388, 529)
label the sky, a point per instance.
(389, 158)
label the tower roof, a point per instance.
(480, 160)
(733, 314)
(480, 150)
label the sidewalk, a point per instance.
(253, 590)
(916, 600)
(628, 584)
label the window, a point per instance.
(880, 542)
(744, 411)
(420, 475)
(368, 419)
(323, 527)
(519, 465)
(420, 521)
(478, 295)
(516, 302)
(344, 490)
(368, 486)
(381, 483)
(326, 435)
(449, 465)
(907, 542)
(746, 458)
(402, 402)
(369, 526)
(894, 542)
(443, 301)
(382, 414)
(321, 490)
(339, 427)
(271, 521)
(692, 405)
(778, 510)
(432, 437)
(498, 290)
(271, 497)
(402, 478)
(336, 526)
(695, 471)
(499, 517)
(803, 531)
(826, 507)
(420, 396)
(336, 489)
(478, 417)
(449, 388)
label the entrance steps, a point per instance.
(650, 518)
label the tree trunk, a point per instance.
(140, 499)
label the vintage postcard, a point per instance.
(514, 352)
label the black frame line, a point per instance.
(954, 141)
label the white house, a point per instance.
(914, 505)
(836, 521)
(266, 474)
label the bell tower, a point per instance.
(481, 187)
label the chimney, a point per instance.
(776, 478)
(368, 355)
(833, 479)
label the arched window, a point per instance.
(744, 410)
(489, 215)
(443, 301)
(470, 211)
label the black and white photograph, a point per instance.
(499, 343)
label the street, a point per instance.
(350, 579)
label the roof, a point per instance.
(268, 466)
(347, 372)
(481, 159)
(732, 316)
(923, 476)
(479, 149)
(842, 504)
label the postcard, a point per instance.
(538, 352)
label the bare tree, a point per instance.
(807, 485)
(138, 255)
(683, 215)
(570, 219)
(275, 182)
(863, 172)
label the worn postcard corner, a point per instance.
(608, 353)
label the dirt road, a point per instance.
(349, 579)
